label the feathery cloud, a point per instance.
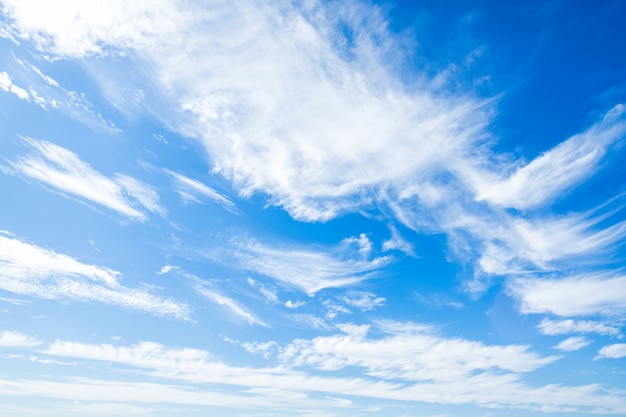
(573, 343)
(615, 351)
(560, 327)
(10, 338)
(600, 293)
(31, 270)
(63, 170)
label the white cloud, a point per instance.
(193, 190)
(294, 304)
(30, 270)
(363, 300)
(47, 93)
(232, 305)
(573, 296)
(559, 168)
(441, 370)
(77, 29)
(10, 338)
(560, 327)
(65, 171)
(6, 83)
(573, 343)
(234, 76)
(166, 268)
(414, 356)
(316, 157)
(615, 351)
(309, 269)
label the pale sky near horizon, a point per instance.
(312, 208)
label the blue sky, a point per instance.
(312, 208)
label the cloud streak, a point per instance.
(310, 270)
(10, 338)
(551, 173)
(27, 269)
(442, 370)
(64, 171)
(193, 190)
(601, 293)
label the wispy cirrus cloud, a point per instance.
(599, 293)
(27, 269)
(45, 92)
(573, 343)
(10, 338)
(463, 371)
(63, 170)
(193, 190)
(363, 300)
(233, 306)
(561, 327)
(310, 269)
(363, 137)
(548, 175)
(7, 84)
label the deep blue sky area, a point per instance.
(312, 208)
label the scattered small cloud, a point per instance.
(561, 327)
(599, 293)
(167, 268)
(310, 269)
(363, 300)
(27, 269)
(193, 190)
(64, 171)
(294, 304)
(573, 343)
(10, 338)
(615, 351)
(6, 84)
(227, 302)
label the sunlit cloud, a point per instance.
(193, 190)
(548, 175)
(30, 270)
(563, 327)
(601, 293)
(6, 83)
(311, 270)
(64, 171)
(10, 338)
(573, 343)
(615, 351)
(466, 371)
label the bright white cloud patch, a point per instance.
(193, 190)
(10, 338)
(545, 177)
(309, 270)
(615, 351)
(461, 370)
(30, 270)
(561, 327)
(63, 170)
(573, 343)
(366, 145)
(363, 300)
(7, 85)
(573, 296)
(232, 305)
